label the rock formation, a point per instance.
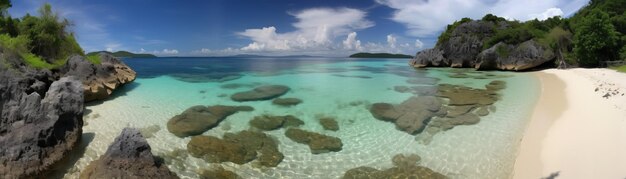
(514, 57)
(318, 143)
(37, 133)
(129, 156)
(329, 123)
(464, 48)
(239, 148)
(404, 167)
(198, 119)
(99, 80)
(411, 115)
(286, 101)
(268, 123)
(266, 92)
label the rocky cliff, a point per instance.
(37, 131)
(464, 47)
(41, 111)
(99, 80)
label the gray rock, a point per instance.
(198, 119)
(261, 93)
(429, 57)
(524, 56)
(129, 156)
(99, 80)
(410, 116)
(37, 132)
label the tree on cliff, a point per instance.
(4, 5)
(595, 39)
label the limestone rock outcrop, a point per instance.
(464, 49)
(129, 156)
(36, 131)
(99, 80)
(514, 57)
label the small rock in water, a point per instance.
(318, 143)
(404, 167)
(239, 148)
(148, 132)
(286, 101)
(329, 124)
(266, 92)
(198, 119)
(268, 122)
(217, 173)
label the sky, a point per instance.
(277, 27)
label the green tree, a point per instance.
(595, 39)
(4, 5)
(49, 37)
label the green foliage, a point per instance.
(49, 38)
(516, 34)
(620, 68)
(595, 39)
(95, 59)
(446, 34)
(4, 5)
(19, 45)
(622, 53)
(124, 54)
(493, 18)
(502, 51)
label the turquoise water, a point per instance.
(339, 88)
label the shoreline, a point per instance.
(574, 132)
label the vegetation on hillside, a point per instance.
(379, 55)
(42, 41)
(124, 54)
(596, 33)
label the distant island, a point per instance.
(124, 54)
(379, 55)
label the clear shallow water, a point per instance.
(340, 88)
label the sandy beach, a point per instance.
(578, 128)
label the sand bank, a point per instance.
(578, 128)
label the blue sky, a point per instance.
(277, 27)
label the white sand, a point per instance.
(574, 130)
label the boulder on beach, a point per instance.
(198, 119)
(239, 148)
(318, 143)
(260, 93)
(99, 80)
(129, 156)
(37, 130)
(286, 101)
(268, 122)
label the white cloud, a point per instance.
(547, 14)
(427, 18)
(164, 52)
(419, 44)
(169, 52)
(316, 29)
(351, 43)
(391, 41)
(112, 47)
